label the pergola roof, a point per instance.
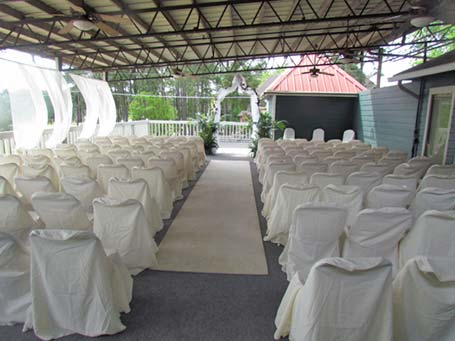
(192, 34)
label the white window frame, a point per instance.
(437, 91)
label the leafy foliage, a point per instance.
(265, 128)
(152, 108)
(207, 131)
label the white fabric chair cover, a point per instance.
(438, 181)
(447, 170)
(311, 167)
(386, 195)
(331, 159)
(314, 235)
(432, 199)
(422, 161)
(73, 161)
(409, 182)
(348, 135)
(345, 154)
(272, 169)
(170, 173)
(433, 235)
(27, 186)
(321, 154)
(382, 168)
(37, 160)
(68, 296)
(83, 189)
(105, 172)
(131, 162)
(272, 158)
(424, 300)
(318, 135)
(287, 199)
(158, 186)
(60, 211)
(289, 134)
(365, 180)
(342, 299)
(9, 171)
(137, 189)
(45, 170)
(118, 154)
(15, 219)
(65, 153)
(350, 197)
(344, 167)
(14, 280)
(6, 187)
(179, 159)
(145, 156)
(281, 178)
(416, 170)
(77, 172)
(94, 161)
(376, 233)
(188, 162)
(122, 225)
(41, 151)
(11, 158)
(323, 179)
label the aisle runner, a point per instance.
(217, 229)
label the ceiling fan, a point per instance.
(418, 15)
(87, 19)
(178, 73)
(315, 72)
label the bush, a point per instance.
(153, 108)
(207, 131)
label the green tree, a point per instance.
(144, 106)
(5, 112)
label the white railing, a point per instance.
(227, 132)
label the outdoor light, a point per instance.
(314, 75)
(422, 21)
(84, 25)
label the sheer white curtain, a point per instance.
(28, 108)
(60, 96)
(99, 104)
(92, 105)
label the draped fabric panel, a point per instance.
(99, 105)
(28, 108)
(60, 96)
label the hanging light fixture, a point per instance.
(84, 25)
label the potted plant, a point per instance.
(265, 127)
(207, 131)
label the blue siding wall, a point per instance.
(386, 117)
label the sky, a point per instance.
(389, 68)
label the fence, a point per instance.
(227, 132)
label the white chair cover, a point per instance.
(75, 287)
(433, 235)
(409, 182)
(346, 196)
(345, 154)
(45, 170)
(432, 199)
(188, 162)
(447, 170)
(27, 186)
(386, 195)
(272, 169)
(311, 167)
(137, 189)
(158, 186)
(376, 233)
(342, 299)
(323, 179)
(145, 156)
(348, 135)
(60, 211)
(94, 161)
(289, 134)
(343, 167)
(179, 159)
(170, 173)
(288, 198)
(14, 280)
(365, 180)
(77, 172)
(415, 170)
(105, 172)
(9, 171)
(11, 158)
(280, 178)
(318, 135)
(122, 225)
(73, 161)
(438, 181)
(424, 300)
(6, 187)
(380, 167)
(15, 219)
(314, 235)
(84, 190)
(131, 162)
(118, 154)
(321, 154)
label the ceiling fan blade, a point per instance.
(305, 73)
(77, 9)
(106, 28)
(114, 18)
(67, 28)
(326, 73)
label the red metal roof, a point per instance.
(292, 80)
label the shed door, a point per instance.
(438, 125)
